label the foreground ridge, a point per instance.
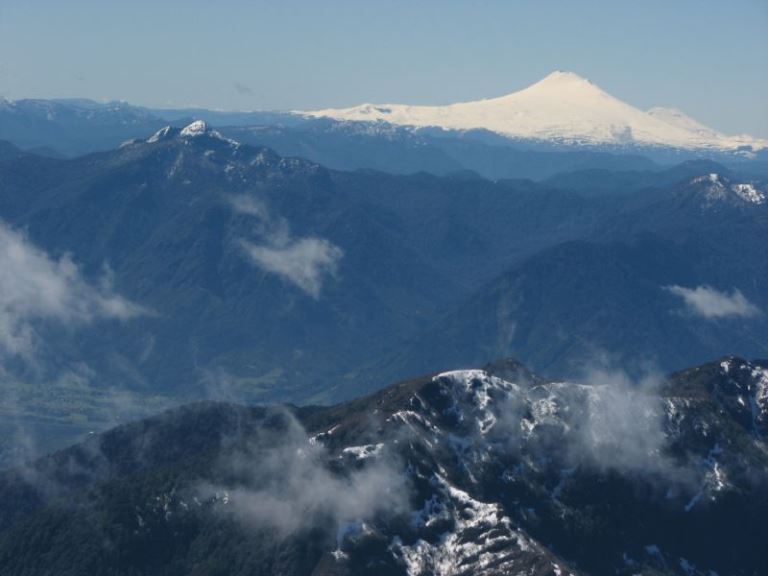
(490, 471)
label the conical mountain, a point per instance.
(561, 108)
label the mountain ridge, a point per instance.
(470, 472)
(201, 228)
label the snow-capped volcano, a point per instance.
(564, 108)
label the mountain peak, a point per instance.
(196, 128)
(562, 85)
(563, 76)
(193, 130)
(717, 188)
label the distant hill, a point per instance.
(668, 283)
(74, 126)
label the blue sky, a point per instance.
(708, 58)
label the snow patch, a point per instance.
(313, 440)
(749, 193)
(479, 531)
(363, 452)
(714, 479)
(719, 188)
(196, 128)
(159, 135)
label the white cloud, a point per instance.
(622, 425)
(709, 303)
(286, 484)
(605, 420)
(35, 287)
(305, 262)
(249, 205)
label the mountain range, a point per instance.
(202, 314)
(474, 472)
(211, 268)
(562, 123)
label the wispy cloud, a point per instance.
(305, 261)
(36, 290)
(710, 303)
(35, 287)
(622, 425)
(245, 204)
(241, 88)
(284, 483)
(605, 419)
